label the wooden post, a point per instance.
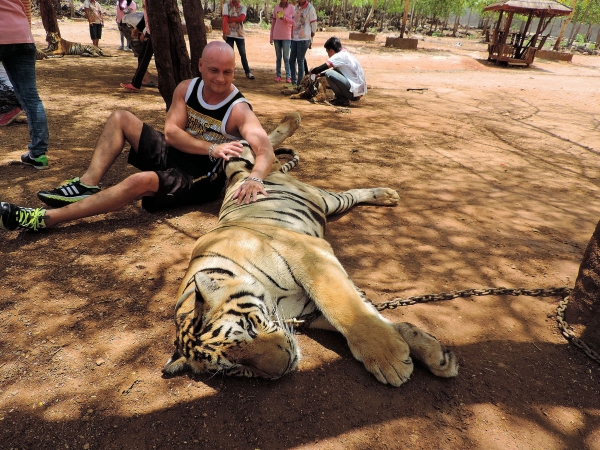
(519, 46)
(538, 31)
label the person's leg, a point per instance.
(143, 62)
(293, 57)
(19, 62)
(122, 41)
(301, 54)
(278, 55)
(111, 199)
(286, 57)
(241, 45)
(98, 34)
(339, 84)
(120, 127)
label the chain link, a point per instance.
(564, 292)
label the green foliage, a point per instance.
(579, 39)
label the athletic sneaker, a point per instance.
(41, 162)
(13, 217)
(8, 117)
(70, 192)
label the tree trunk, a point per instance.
(564, 25)
(588, 33)
(49, 16)
(170, 51)
(574, 33)
(584, 304)
(404, 18)
(368, 19)
(194, 20)
(456, 25)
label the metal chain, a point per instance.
(550, 292)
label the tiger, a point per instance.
(58, 46)
(313, 91)
(265, 268)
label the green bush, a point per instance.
(579, 39)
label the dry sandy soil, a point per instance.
(497, 171)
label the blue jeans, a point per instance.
(282, 49)
(339, 84)
(19, 62)
(241, 45)
(297, 56)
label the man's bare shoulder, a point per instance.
(183, 86)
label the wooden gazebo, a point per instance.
(517, 48)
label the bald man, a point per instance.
(206, 120)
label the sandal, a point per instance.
(129, 87)
(250, 76)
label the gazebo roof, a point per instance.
(535, 7)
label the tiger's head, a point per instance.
(53, 39)
(223, 326)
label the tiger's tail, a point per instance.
(290, 164)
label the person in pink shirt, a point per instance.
(17, 54)
(124, 7)
(282, 24)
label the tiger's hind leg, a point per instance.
(288, 125)
(427, 349)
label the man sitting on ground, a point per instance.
(344, 73)
(204, 124)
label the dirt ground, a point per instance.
(497, 171)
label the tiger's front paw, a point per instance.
(385, 354)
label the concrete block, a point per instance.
(554, 56)
(367, 37)
(402, 43)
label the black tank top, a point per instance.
(205, 122)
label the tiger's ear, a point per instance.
(204, 284)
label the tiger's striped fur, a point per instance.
(58, 46)
(266, 263)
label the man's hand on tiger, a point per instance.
(227, 150)
(248, 191)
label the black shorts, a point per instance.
(95, 31)
(183, 178)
